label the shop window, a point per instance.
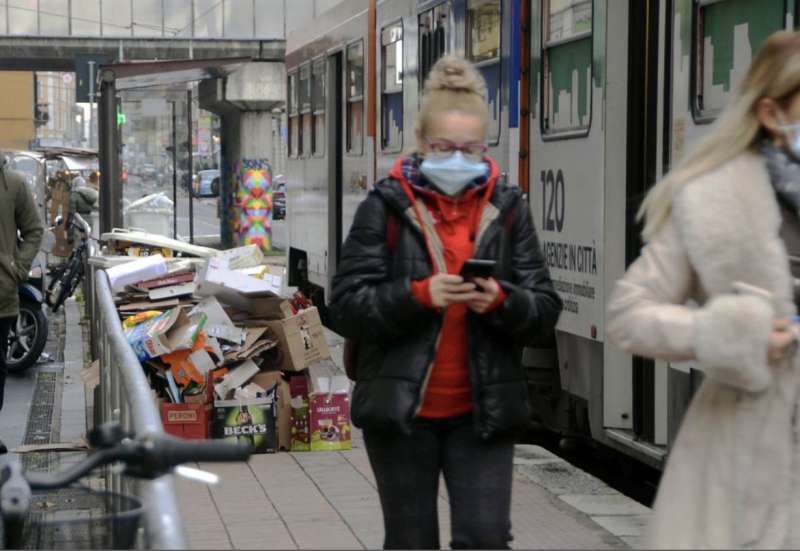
(566, 65)
(355, 98)
(318, 136)
(483, 49)
(433, 37)
(392, 88)
(727, 34)
(304, 103)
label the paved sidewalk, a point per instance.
(328, 500)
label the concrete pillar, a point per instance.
(244, 104)
(247, 146)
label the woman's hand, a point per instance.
(486, 294)
(781, 341)
(447, 289)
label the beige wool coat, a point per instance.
(730, 480)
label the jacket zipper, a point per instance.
(424, 387)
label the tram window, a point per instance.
(318, 108)
(483, 49)
(304, 103)
(432, 38)
(566, 65)
(294, 121)
(392, 88)
(727, 33)
(355, 98)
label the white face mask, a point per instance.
(453, 173)
(791, 133)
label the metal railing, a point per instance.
(125, 396)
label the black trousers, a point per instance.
(478, 475)
(5, 327)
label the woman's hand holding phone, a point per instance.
(486, 295)
(447, 289)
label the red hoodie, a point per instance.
(448, 391)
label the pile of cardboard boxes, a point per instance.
(228, 356)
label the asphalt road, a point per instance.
(206, 220)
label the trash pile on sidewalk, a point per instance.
(228, 356)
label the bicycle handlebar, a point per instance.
(147, 457)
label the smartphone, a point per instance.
(475, 267)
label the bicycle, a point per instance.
(116, 526)
(65, 279)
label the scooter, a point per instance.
(28, 336)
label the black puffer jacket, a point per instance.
(372, 302)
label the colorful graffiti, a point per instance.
(252, 213)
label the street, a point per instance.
(206, 220)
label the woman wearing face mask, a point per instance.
(440, 388)
(719, 228)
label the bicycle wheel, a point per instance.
(64, 286)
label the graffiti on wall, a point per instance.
(252, 213)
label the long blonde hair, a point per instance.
(453, 84)
(775, 73)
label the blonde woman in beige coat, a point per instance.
(713, 286)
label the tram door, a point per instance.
(335, 106)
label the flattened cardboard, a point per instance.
(173, 330)
(267, 380)
(217, 280)
(235, 378)
(143, 306)
(218, 324)
(167, 280)
(302, 340)
(242, 257)
(141, 269)
(163, 293)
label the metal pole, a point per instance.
(91, 104)
(174, 172)
(191, 165)
(110, 190)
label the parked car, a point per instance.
(203, 183)
(279, 201)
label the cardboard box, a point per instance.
(251, 421)
(267, 380)
(242, 257)
(300, 435)
(264, 308)
(191, 421)
(217, 280)
(302, 340)
(218, 324)
(173, 330)
(329, 408)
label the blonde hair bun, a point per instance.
(455, 74)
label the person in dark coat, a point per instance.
(439, 382)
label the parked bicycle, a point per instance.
(65, 278)
(104, 520)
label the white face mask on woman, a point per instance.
(453, 173)
(791, 133)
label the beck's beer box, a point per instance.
(250, 421)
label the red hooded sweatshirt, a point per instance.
(448, 391)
